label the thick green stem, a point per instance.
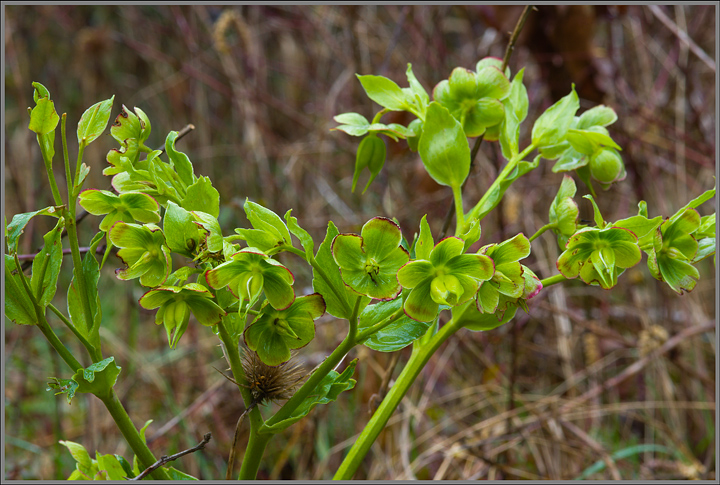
(131, 435)
(81, 151)
(542, 230)
(500, 178)
(459, 212)
(418, 359)
(558, 278)
(256, 443)
(51, 176)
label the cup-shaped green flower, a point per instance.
(369, 262)
(251, 272)
(174, 305)
(447, 277)
(508, 279)
(599, 256)
(673, 248)
(474, 98)
(274, 333)
(144, 252)
(127, 207)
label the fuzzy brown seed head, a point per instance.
(271, 383)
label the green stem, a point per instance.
(459, 212)
(500, 178)
(51, 175)
(418, 359)
(542, 230)
(66, 158)
(558, 278)
(72, 328)
(256, 443)
(43, 325)
(131, 435)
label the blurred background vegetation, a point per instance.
(261, 85)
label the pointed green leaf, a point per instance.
(552, 126)
(43, 118)
(179, 160)
(18, 306)
(94, 120)
(444, 148)
(202, 196)
(425, 243)
(384, 92)
(395, 336)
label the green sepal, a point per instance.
(98, 378)
(94, 120)
(474, 320)
(213, 232)
(425, 242)
(269, 230)
(339, 298)
(39, 91)
(371, 154)
(182, 235)
(179, 160)
(274, 333)
(599, 221)
(327, 390)
(563, 214)
(600, 115)
(202, 196)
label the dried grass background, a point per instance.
(543, 397)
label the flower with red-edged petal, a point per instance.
(144, 252)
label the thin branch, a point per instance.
(682, 36)
(66, 251)
(167, 459)
(515, 34)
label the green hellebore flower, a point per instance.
(508, 279)
(175, 304)
(673, 249)
(369, 262)
(474, 98)
(274, 333)
(249, 273)
(127, 207)
(143, 250)
(449, 277)
(599, 256)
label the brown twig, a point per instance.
(167, 459)
(478, 141)
(85, 249)
(682, 36)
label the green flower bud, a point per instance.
(606, 166)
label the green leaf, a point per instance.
(179, 160)
(473, 320)
(696, 202)
(111, 466)
(421, 96)
(599, 221)
(639, 225)
(94, 120)
(79, 453)
(175, 474)
(18, 223)
(91, 273)
(214, 237)
(40, 91)
(202, 196)
(327, 390)
(395, 336)
(305, 239)
(353, 124)
(384, 92)
(46, 266)
(98, 378)
(18, 306)
(340, 301)
(425, 242)
(267, 221)
(597, 116)
(43, 118)
(497, 193)
(444, 148)
(371, 154)
(552, 126)
(588, 142)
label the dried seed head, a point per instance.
(271, 383)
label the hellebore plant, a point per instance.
(390, 292)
